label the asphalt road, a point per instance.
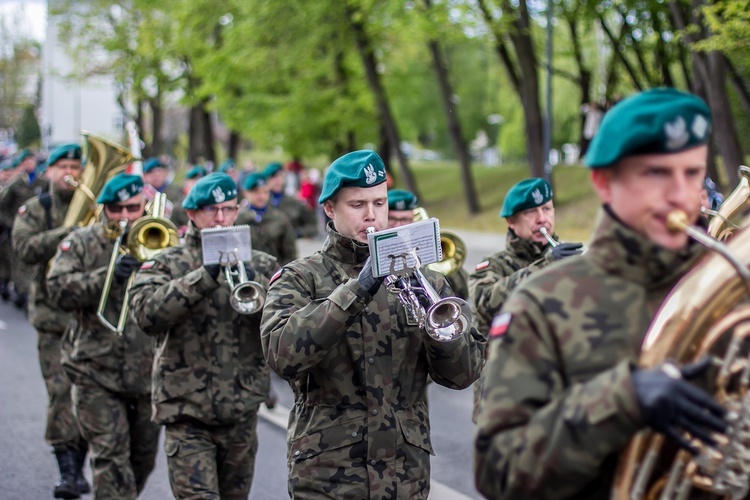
(28, 469)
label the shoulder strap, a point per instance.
(46, 201)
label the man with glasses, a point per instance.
(209, 375)
(37, 230)
(111, 373)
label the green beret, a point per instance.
(198, 171)
(152, 163)
(401, 199)
(529, 193)
(120, 188)
(362, 168)
(227, 165)
(214, 188)
(67, 151)
(7, 164)
(657, 121)
(272, 169)
(21, 156)
(254, 180)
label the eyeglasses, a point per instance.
(117, 208)
(214, 210)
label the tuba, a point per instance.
(103, 159)
(453, 248)
(148, 236)
(721, 226)
(706, 314)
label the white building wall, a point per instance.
(68, 105)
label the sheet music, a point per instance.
(218, 240)
(423, 235)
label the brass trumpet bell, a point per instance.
(246, 297)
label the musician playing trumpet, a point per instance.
(357, 365)
(563, 394)
(111, 374)
(209, 376)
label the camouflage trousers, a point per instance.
(211, 462)
(123, 440)
(21, 274)
(62, 428)
(5, 258)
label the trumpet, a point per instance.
(246, 297)
(552, 241)
(445, 319)
(452, 247)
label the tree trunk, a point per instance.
(740, 86)
(385, 150)
(196, 149)
(584, 74)
(157, 118)
(208, 133)
(146, 150)
(365, 49)
(725, 133)
(619, 53)
(233, 145)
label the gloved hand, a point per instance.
(213, 270)
(367, 280)
(250, 272)
(125, 265)
(565, 250)
(670, 404)
(421, 295)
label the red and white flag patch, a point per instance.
(65, 245)
(148, 264)
(275, 276)
(22, 210)
(500, 325)
(483, 265)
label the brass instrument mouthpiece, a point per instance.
(370, 230)
(677, 221)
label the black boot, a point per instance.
(66, 486)
(4, 290)
(21, 301)
(81, 483)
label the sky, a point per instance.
(34, 15)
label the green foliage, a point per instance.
(27, 131)
(729, 23)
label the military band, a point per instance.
(553, 352)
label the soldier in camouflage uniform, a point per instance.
(358, 367)
(6, 249)
(401, 206)
(36, 232)
(156, 173)
(272, 232)
(210, 375)
(111, 373)
(179, 215)
(304, 220)
(563, 394)
(26, 184)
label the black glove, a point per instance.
(125, 265)
(367, 280)
(213, 270)
(565, 250)
(424, 300)
(250, 272)
(670, 404)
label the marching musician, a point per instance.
(209, 376)
(272, 231)
(37, 230)
(562, 391)
(156, 173)
(179, 215)
(6, 250)
(401, 206)
(303, 219)
(357, 366)
(111, 373)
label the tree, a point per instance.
(27, 131)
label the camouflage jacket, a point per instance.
(496, 276)
(304, 220)
(459, 282)
(35, 238)
(209, 363)
(558, 404)
(120, 363)
(17, 193)
(359, 373)
(272, 234)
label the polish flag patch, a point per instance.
(148, 264)
(483, 265)
(275, 276)
(22, 210)
(500, 325)
(65, 246)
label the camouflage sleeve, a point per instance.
(288, 249)
(264, 265)
(31, 242)
(71, 286)
(159, 301)
(488, 289)
(7, 202)
(308, 222)
(298, 331)
(459, 282)
(537, 435)
(455, 364)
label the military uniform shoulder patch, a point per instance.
(483, 265)
(65, 245)
(22, 210)
(275, 276)
(148, 264)
(500, 325)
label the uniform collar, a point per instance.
(193, 236)
(622, 252)
(344, 249)
(526, 250)
(276, 198)
(61, 196)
